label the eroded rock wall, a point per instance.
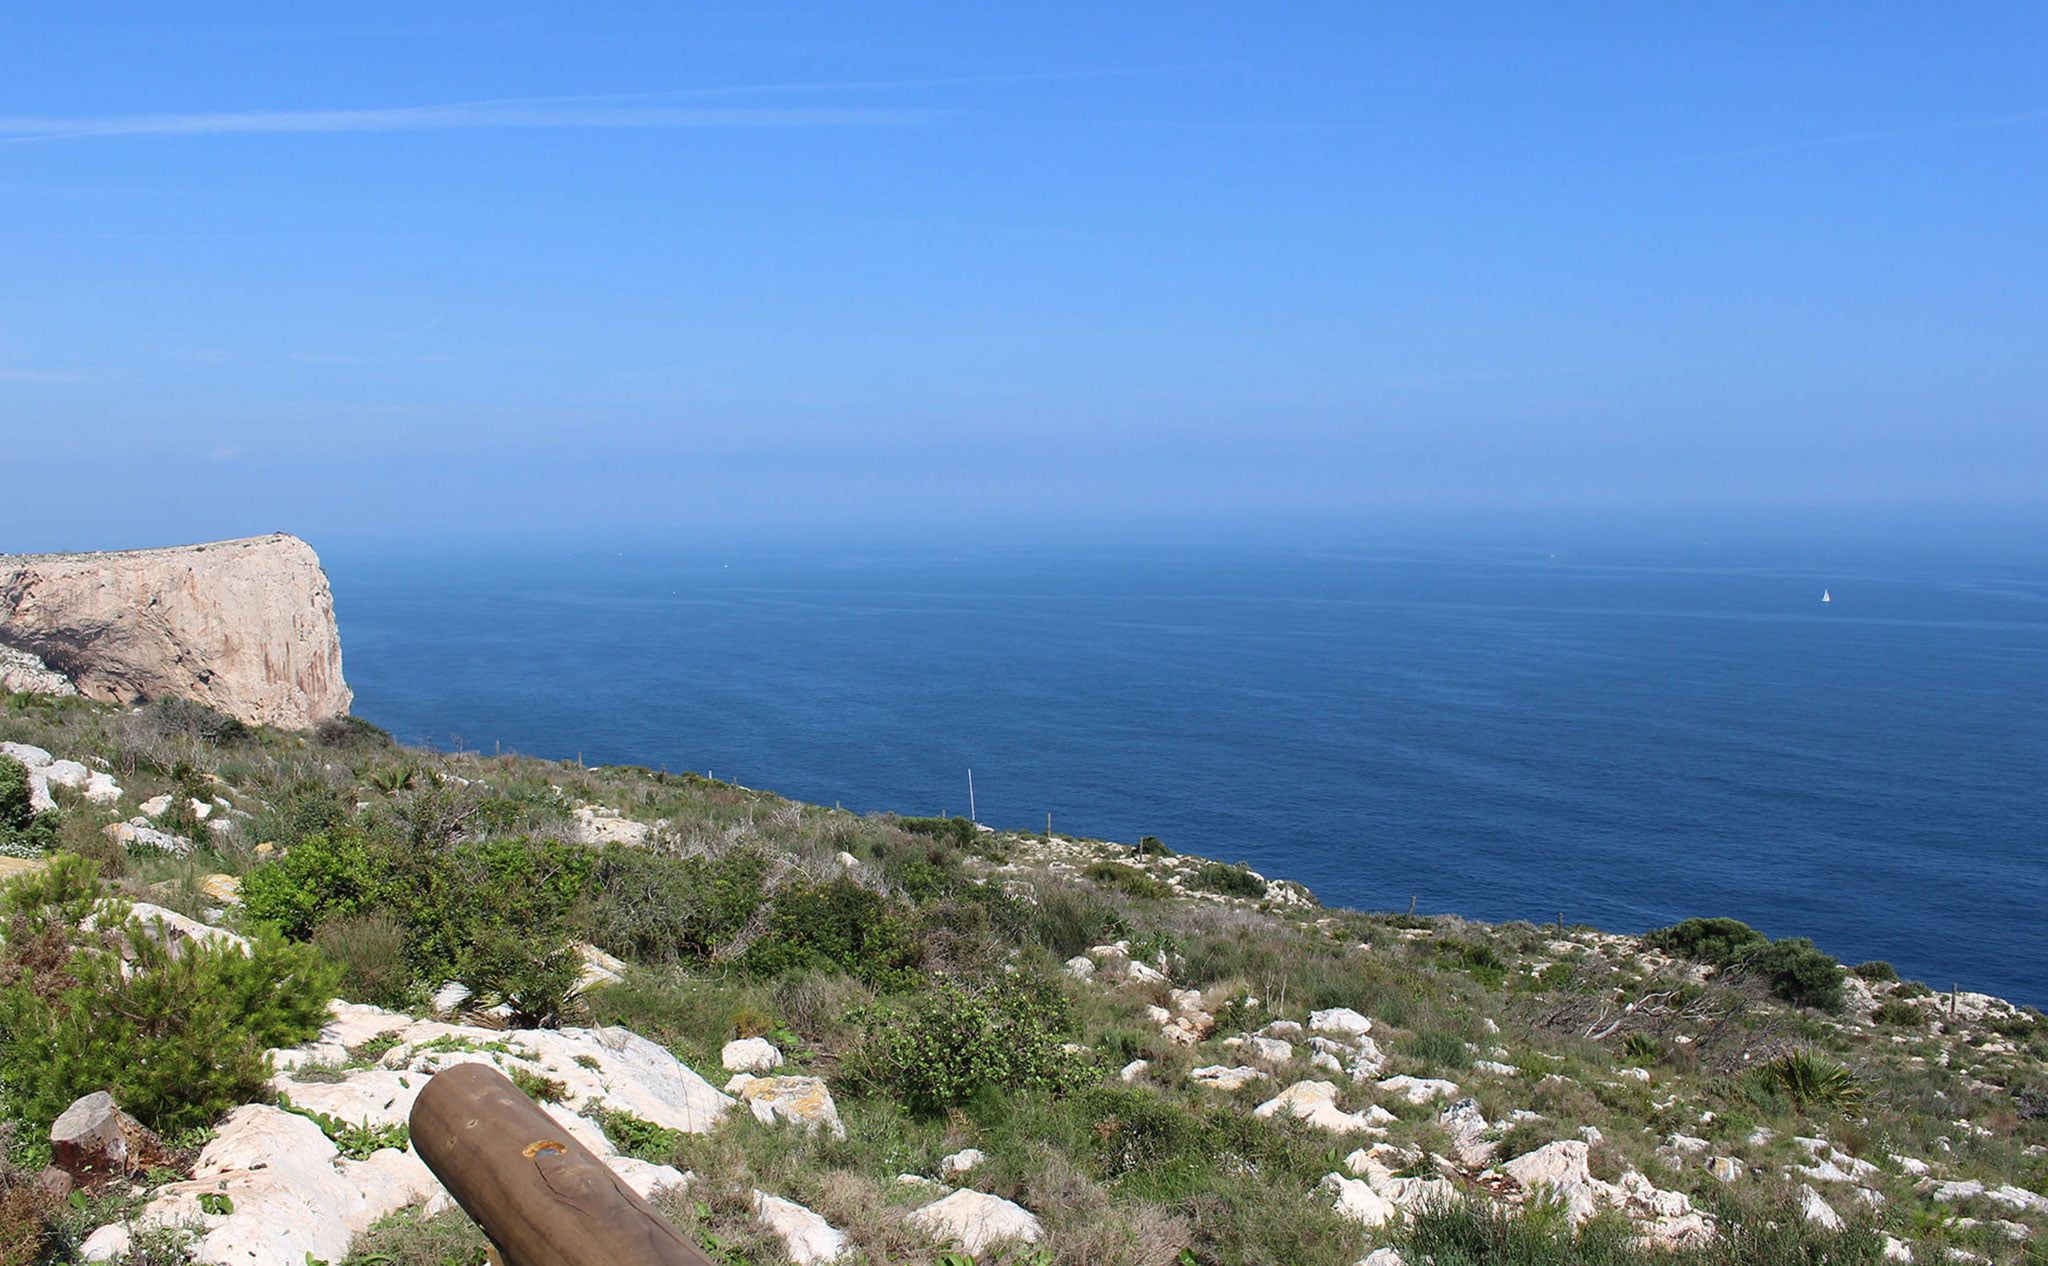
(246, 627)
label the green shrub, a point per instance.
(1067, 920)
(352, 734)
(178, 1037)
(669, 909)
(370, 950)
(1798, 972)
(945, 1047)
(1477, 958)
(1127, 879)
(320, 879)
(836, 924)
(1898, 1013)
(1151, 846)
(1641, 1048)
(1232, 881)
(23, 833)
(1911, 989)
(1875, 970)
(1714, 941)
(958, 832)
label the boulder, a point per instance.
(226, 889)
(1132, 1071)
(1818, 1211)
(137, 835)
(245, 627)
(1468, 1127)
(1358, 1201)
(961, 1162)
(93, 1139)
(977, 1221)
(1419, 1089)
(68, 774)
(599, 826)
(1225, 1077)
(806, 1238)
(101, 789)
(25, 673)
(598, 967)
(1339, 1022)
(1316, 1103)
(750, 1055)
(804, 1102)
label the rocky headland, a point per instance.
(245, 627)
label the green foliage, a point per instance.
(1151, 846)
(23, 833)
(1811, 1080)
(638, 1138)
(1794, 968)
(1485, 1234)
(1798, 972)
(836, 924)
(1069, 919)
(1715, 941)
(332, 876)
(1436, 1049)
(669, 909)
(178, 1037)
(958, 832)
(351, 734)
(1128, 880)
(536, 1087)
(1911, 989)
(1898, 1013)
(357, 1140)
(944, 1047)
(1231, 881)
(370, 950)
(1477, 958)
(1641, 1049)
(1875, 970)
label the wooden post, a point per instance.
(541, 1196)
(1411, 906)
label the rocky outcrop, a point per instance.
(245, 627)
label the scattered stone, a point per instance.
(1339, 1021)
(1468, 1128)
(1419, 1089)
(600, 826)
(961, 1162)
(226, 889)
(1725, 1168)
(750, 1055)
(1358, 1201)
(1225, 1077)
(806, 1238)
(1132, 1071)
(977, 1221)
(137, 835)
(1818, 1211)
(1081, 967)
(598, 967)
(1316, 1103)
(804, 1102)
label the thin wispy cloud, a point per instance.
(641, 110)
(1875, 134)
(526, 113)
(36, 376)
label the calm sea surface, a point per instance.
(1500, 734)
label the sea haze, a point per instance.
(1499, 733)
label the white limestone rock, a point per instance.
(1316, 1103)
(1225, 1076)
(807, 1239)
(804, 1102)
(961, 1162)
(750, 1055)
(1339, 1022)
(1357, 1200)
(977, 1221)
(1419, 1090)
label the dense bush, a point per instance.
(1898, 1013)
(945, 1047)
(959, 832)
(176, 1032)
(1128, 880)
(669, 909)
(1715, 941)
(1232, 881)
(1798, 972)
(1875, 970)
(837, 924)
(322, 878)
(1794, 968)
(349, 733)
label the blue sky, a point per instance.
(354, 269)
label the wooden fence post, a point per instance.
(541, 1196)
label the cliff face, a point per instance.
(246, 627)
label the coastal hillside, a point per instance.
(233, 955)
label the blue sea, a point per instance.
(1621, 737)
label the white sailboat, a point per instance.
(1825, 596)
